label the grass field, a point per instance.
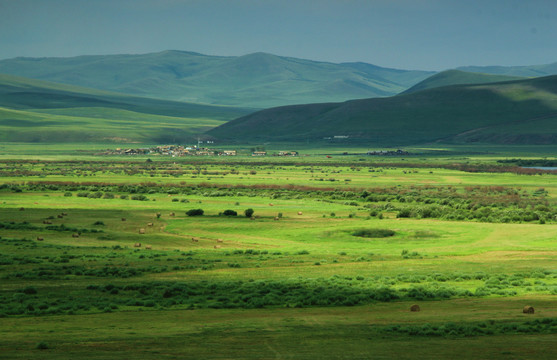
(335, 254)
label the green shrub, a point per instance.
(195, 212)
(249, 212)
(230, 213)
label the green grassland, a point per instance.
(335, 253)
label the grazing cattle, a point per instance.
(123, 219)
(142, 231)
(75, 235)
(415, 308)
(219, 240)
(39, 238)
(137, 245)
(64, 214)
(252, 218)
(270, 204)
(21, 209)
(276, 218)
(194, 240)
(60, 216)
(148, 247)
(149, 224)
(48, 222)
(217, 246)
(172, 214)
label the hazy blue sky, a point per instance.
(409, 34)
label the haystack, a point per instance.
(75, 235)
(299, 213)
(148, 247)
(528, 309)
(276, 218)
(142, 231)
(415, 308)
(219, 240)
(217, 246)
(137, 245)
(194, 240)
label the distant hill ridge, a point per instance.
(256, 80)
(513, 112)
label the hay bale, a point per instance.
(528, 309)
(39, 238)
(276, 218)
(299, 213)
(219, 240)
(75, 235)
(194, 240)
(142, 231)
(252, 218)
(217, 246)
(415, 308)
(137, 245)
(148, 247)
(149, 224)
(172, 214)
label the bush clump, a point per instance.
(195, 212)
(249, 212)
(230, 213)
(373, 233)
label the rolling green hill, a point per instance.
(523, 111)
(257, 80)
(39, 111)
(458, 77)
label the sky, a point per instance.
(403, 34)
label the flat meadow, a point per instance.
(264, 258)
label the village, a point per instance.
(181, 150)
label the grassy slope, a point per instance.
(457, 77)
(439, 114)
(256, 80)
(39, 111)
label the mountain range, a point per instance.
(256, 80)
(125, 98)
